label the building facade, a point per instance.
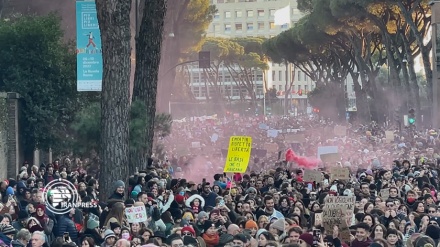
(255, 18)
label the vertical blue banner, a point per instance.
(88, 47)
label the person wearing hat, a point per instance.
(239, 240)
(7, 233)
(210, 234)
(109, 238)
(118, 190)
(92, 229)
(252, 226)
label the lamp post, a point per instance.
(435, 20)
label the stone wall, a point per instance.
(3, 136)
(11, 151)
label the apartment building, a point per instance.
(254, 18)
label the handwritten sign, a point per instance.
(340, 130)
(136, 214)
(294, 138)
(312, 176)
(239, 153)
(271, 147)
(385, 193)
(330, 158)
(338, 211)
(389, 136)
(318, 219)
(339, 173)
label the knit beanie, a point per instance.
(109, 233)
(433, 231)
(114, 225)
(118, 184)
(189, 229)
(208, 224)
(8, 230)
(202, 214)
(307, 237)
(250, 224)
(92, 224)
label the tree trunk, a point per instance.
(148, 53)
(114, 23)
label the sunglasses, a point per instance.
(431, 211)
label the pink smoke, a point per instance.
(305, 162)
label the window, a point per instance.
(195, 91)
(272, 25)
(259, 77)
(271, 12)
(238, 14)
(220, 1)
(227, 14)
(227, 78)
(230, 1)
(216, 16)
(280, 88)
(299, 87)
(306, 88)
(284, 26)
(299, 75)
(305, 76)
(273, 75)
(260, 13)
(238, 26)
(261, 26)
(250, 13)
(236, 91)
(280, 75)
(227, 27)
(196, 79)
(250, 26)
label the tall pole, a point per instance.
(435, 10)
(286, 93)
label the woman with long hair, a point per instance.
(116, 214)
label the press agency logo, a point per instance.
(60, 196)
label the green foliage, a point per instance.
(197, 17)
(35, 63)
(271, 94)
(87, 130)
(329, 99)
(162, 124)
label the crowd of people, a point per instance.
(189, 201)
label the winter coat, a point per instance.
(65, 224)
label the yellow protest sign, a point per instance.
(239, 152)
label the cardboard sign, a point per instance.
(389, 136)
(330, 158)
(339, 173)
(195, 144)
(338, 211)
(312, 176)
(136, 214)
(271, 147)
(239, 153)
(318, 219)
(340, 130)
(385, 194)
(294, 138)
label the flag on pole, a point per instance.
(282, 16)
